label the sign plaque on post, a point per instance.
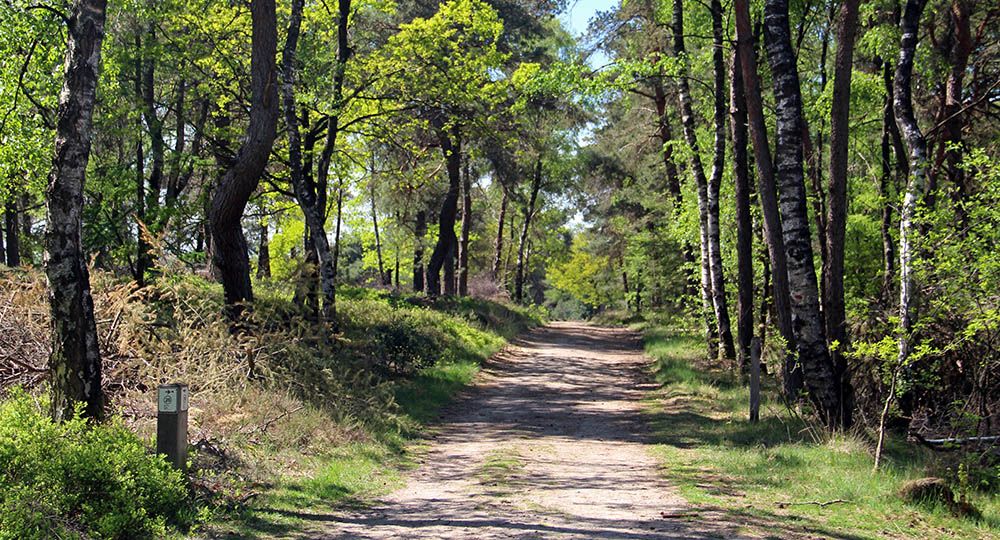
(171, 423)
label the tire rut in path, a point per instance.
(550, 443)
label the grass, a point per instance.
(499, 470)
(771, 476)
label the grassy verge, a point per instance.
(781, 478)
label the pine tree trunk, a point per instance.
(791, 372)
(810, 333)
(443, 257)
(918, 174)
(744, 225)
(75, 361)
(420, 231)
(690, 136)
(142, 256)
(529, 213)
(498, 243)
(378, 238)
(836, 222)
(719, 301)
(666, 140)
(463, 244)
(238, 182)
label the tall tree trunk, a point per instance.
(378, 238)
(744, 225)
(443, 257)
(75, 361)
(142, 255)
(529, 213)
(238, 182)
(719, 301)
(666, 140)
(885, 181)
(463, 242)
(498, 243)
(918, 173)
(13, 239)
(154, 125)
(810, 334)
(420, 231)
(263, 253)
(954, 121)
(836, 222)
(791, 371)
(344, 53)
(305, 193)
(180, 139)
(690, 136)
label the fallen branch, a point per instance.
(817, 503)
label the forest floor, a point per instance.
(551, 442)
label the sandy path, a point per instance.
(550, 444)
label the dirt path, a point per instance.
(550, 444)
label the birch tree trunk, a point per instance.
(75, 361)
(791, 372)
(918, 174)
(719, 300)
(744, 225)
(810, 334)
(690, 136)
(836, 221)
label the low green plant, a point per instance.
(74, 480)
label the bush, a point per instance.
(76, 480)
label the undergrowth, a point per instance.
(784, 477)
(287, 417)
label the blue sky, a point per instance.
(576, 17)
(579, 12)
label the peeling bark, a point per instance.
(918, 173)
(807, 322)
(75, 361)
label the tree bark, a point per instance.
(918, 173)
(344, 53)
(13, 239)
(142, 256)
(712, 327)
(791, 371)
(443, 257)
(885, 181)
(463, 242)
(719, 301)
(263, 253)
(836, 221)
(954, 123)
(238, 182)
(75, 361)
(305, 194)
(529, 213)
(498, 243)
(744, 225)
(810, 333)
(420, 231)
(378, 238)
(666, 139)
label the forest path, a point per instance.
(550, 443)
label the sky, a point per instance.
(576, 17)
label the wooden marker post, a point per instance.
(172, 423)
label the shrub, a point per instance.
(71, 479)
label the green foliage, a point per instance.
(76, 480)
